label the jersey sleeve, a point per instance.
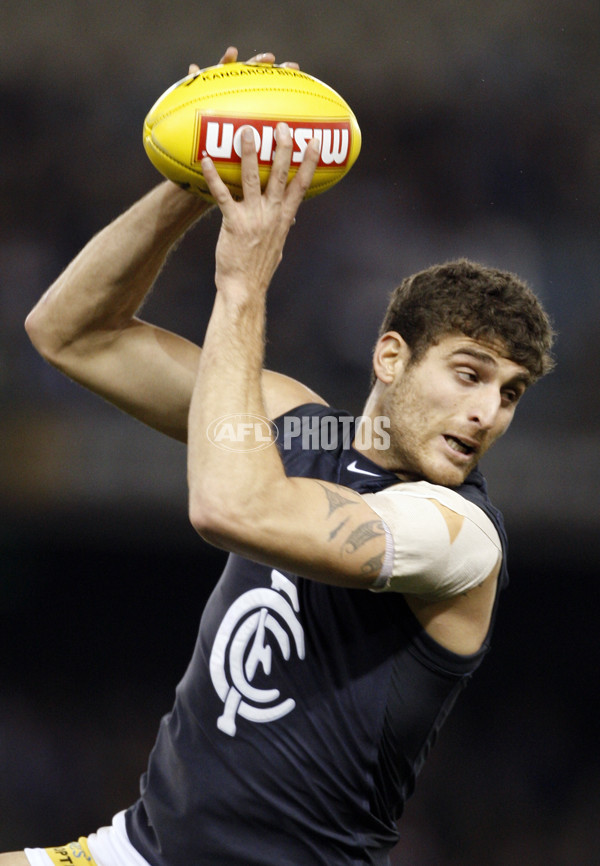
(438, 543)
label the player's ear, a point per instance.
(390, 357)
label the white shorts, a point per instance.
(110, 846)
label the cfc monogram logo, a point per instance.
(242, 644)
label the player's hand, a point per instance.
(254, 230)
(231, 56)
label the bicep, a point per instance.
(149, 373)
(143, 370)
(312, 528)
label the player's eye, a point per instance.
(510, 396)
(467, 375)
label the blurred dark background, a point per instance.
(481, 137)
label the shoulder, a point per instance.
(399, 495)
(283, 394)
(442, 544)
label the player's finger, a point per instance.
(289, 64)
(250, 175)
(278, 175)
(230, 56)
(216, 187)
(265, 57)
(300, 183)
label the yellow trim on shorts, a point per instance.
(73, 854)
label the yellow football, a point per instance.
(204, 113)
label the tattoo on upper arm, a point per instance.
(360, 535)
(363, 533)
(336, 500)
(373, 565)
(335, 531)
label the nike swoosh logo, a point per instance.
(352, 467)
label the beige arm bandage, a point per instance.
(438, 543)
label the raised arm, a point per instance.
(86, 323)
(243, 501)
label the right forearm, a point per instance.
(101, 289)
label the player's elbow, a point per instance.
(222, 520)
(33, 329)
(212, 519)
(216, 530)
(200, 517)
(239, 516)
(42, 336)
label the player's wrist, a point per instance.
(182, 201)
(241, 297)
(168, 212)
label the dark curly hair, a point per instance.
(482, 303)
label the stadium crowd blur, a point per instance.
(481, 137)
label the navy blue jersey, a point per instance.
(306, 712)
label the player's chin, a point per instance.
(447, 473)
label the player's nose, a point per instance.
(485, 407)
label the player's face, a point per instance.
(447, 409)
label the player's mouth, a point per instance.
(460, 446)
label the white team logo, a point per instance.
(241, 645)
